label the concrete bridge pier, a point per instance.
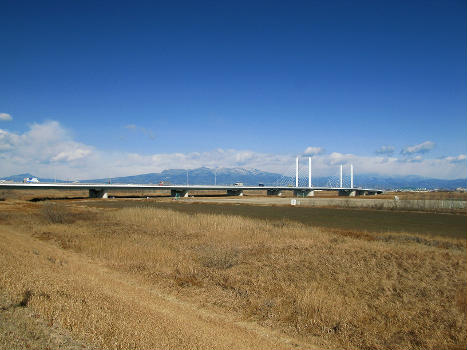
(369, 193)
(274, 193)
(179, 193)
(366, 193)
(348, 193)
(98, 193)
(234, 192)
(303, 193)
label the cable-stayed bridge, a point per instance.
(101, 190)
(303, 186)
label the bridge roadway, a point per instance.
(101, 190)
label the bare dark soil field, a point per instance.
(435, 224)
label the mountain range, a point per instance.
(252, 177)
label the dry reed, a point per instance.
(351, 289)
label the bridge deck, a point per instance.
(97, 186)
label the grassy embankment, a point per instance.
(350, 289)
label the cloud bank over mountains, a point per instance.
(47, 149)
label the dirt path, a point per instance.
(101, 307)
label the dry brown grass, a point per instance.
(350, 289)
(55, 213)
(439, 195)
(20, 328)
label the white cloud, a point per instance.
(385, 150)
(418, 158)
(313, 151)
(145, 131)
(39, 149)
(423, 147)
(71, 155)
(459, 159)
(47, 149)
(5, 117)
(338, 158)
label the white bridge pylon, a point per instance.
(296, 171)
(297, 166)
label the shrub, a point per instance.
(55, 213)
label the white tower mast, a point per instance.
(351, 175)
(296, 172)
(309, 172)
(341, 178)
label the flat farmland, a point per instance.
(425, 223)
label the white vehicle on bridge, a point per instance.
(238, 184)
(31, 180)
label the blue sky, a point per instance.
(363, 79)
